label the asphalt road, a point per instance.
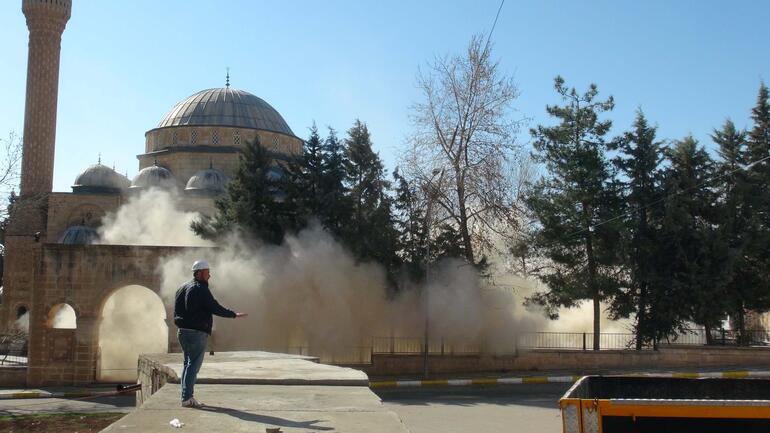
(530, 408)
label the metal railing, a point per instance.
(569, 341)
(13, 350)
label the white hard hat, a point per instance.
(200, 264)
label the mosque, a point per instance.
(52, 259)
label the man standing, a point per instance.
(193, 307)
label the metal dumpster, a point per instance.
(617, 404)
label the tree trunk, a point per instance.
(592, 277)
(709, 339)
(464, 232)
(741, 339)
(641, 316)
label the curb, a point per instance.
(72, 394)
(739, 374)
(44, 394)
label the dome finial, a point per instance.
(227, 78)
(99, 161)
(155, 163)
(211, 163)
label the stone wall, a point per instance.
(152, 375)
(67, 209)
(693, 357)
(82, 277)
(13, 376)
(174, 149)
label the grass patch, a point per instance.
(58, 422)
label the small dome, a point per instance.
(210, 181)
(154, 176)
(226, 107)
(100, 179)
(79, 235)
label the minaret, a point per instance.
(46, 20)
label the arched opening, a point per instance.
(62, 316)
(22, 319)
(133, 322)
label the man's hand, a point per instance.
(237, 315)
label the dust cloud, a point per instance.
(153, 217)
(310, 295)
(310, 292)
(62, 316)
(133, 322)
(22, 323)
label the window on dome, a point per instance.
(194, 136)
(236, 139)
(174, 138)
(215, 137)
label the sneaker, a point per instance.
(193, 403)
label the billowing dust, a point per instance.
(133, 322)
(309, 294)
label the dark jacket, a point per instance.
(194, 306)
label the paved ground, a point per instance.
(262, 368)
(254, 408)
(517, 408)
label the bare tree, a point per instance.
(464, 125)
(10, 160)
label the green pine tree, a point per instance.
(410, 226)
(690, 252)
(734, 222)
(640, 155)
(574, 204)
(335, 208)
(754, 294)
(254, 203)
(370, 234)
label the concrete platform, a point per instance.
(253, 391)
(259, 368)
(254, 408)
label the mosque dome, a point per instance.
(211, 181)
(100, 179)
(154, 176)
(79, 235)
(226, 107)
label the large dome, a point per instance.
(209, 181)
(100, 178)
(225, 107)
(154, 176)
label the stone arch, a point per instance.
(87, 214)
(131, 321)
(21, 309)
(61, 316)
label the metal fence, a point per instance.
(13, 350)
(569, 341)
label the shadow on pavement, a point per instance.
(264, 419)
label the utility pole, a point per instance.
(430, 192)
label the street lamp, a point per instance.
(430, 191)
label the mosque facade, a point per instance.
(53, 258)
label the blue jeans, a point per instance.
(194, 347)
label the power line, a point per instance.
(664, 198)
(489, 37)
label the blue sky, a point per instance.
(688, 64)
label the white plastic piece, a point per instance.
(176, 423)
